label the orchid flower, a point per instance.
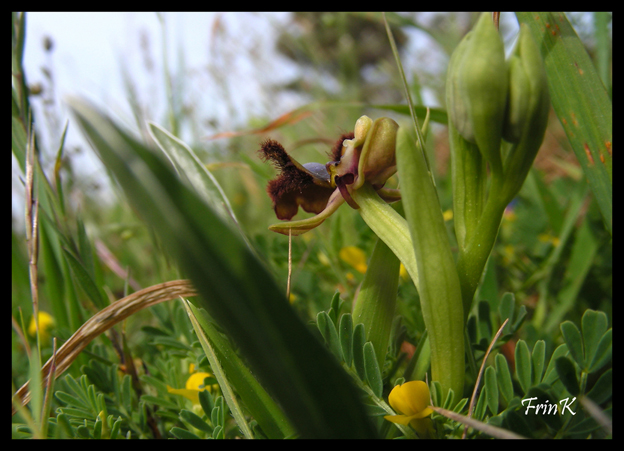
(366, 155)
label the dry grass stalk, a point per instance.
(104, 320)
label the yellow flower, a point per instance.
(355, 257)
(46, 323)
(194, 384)
(412, 400)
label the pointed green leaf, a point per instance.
(603, 388)
(194, 420)
(330, 334)
(503, 376)
(506, 310)
(550, 376)
(192, 169)
(345, 332)
(359, 339)
(594, 326)
(580, 100)
(523, 365)
(184, 434)
(539, 360)
(258, 402)
(567, 375)
(603, 352)
(373, 374)
(376, 301)
(491, 388)
(572, 337)
(234, 286)
(84, 280)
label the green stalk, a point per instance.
(440, 292)
(376, 301)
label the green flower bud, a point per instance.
(477, 86)
(527, 111)
(528, 100)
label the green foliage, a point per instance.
(201, 212)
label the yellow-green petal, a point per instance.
(305, 225)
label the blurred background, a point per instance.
(219, 80)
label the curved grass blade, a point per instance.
(219, 373)
(236, 289)
(188, 164)
(261, 407)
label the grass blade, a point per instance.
(235, 288)
(580, 100)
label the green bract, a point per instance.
(477, 89)
(526, 116)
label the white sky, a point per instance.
(90, 50)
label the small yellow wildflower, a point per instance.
(46, 323)
(403, 273)
(194, 384)
(355, 257)
(412, 401)
(448, 215)
(548, 238)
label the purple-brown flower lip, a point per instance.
(365, 155)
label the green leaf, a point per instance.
(195, 421)
(373, 374)
(523, 365)
(503, 376)
(580, 100)
(235, 288)
(217, 369)
(491, 388)
(84, 279)
(345, 334)
(485, 324)
(126, 393)
(258, 402)
(359, 339)
(603, 388)
(550, 376)
(206, 401)
(375, 304)
(183, 434)
(70, 400)
(567, 375)
(63, 421)
(330, 334)
(160, 402)
(572, 337)
(603, 352)
(439, 284)
(190, 168)
(538, 358)
(506, 310)
(594, 326)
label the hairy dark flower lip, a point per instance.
(296, 185)
(365, 155)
